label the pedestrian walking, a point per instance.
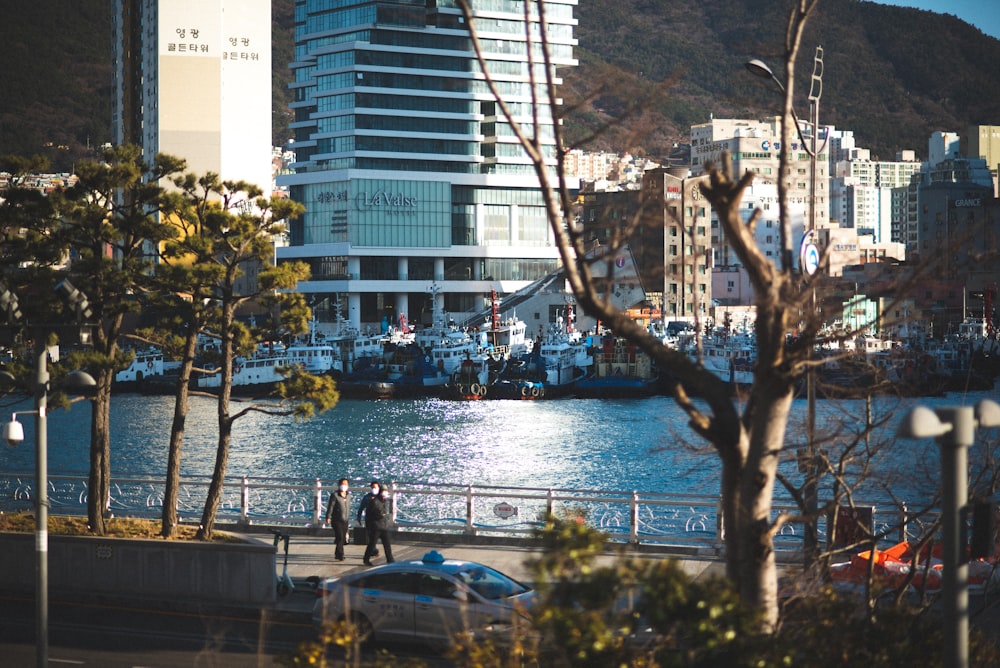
(374, 507)
(338, 515)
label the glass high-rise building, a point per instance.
(410, 174)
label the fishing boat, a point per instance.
(259, 373)
(561, 357)
(519, 379)
(444, 347)
(471, 380)
(426, 365)
(729, 355)
(502, 343)
(620, 370)
(147, 369)
(503, 338)
(368, 379)
(352, 347)
(145, 363)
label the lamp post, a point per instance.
(13, 433)
(808, 250)
(954, 428)
(41, 391)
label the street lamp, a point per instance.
(954, 428)
(808, 264)
(760, 68)
(13, 433)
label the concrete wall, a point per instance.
(225, 573)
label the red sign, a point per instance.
(504, 510)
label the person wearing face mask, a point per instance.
(338, 514)
(375, 508)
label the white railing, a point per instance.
(628, 517)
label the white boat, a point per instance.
(261, 371)
(563, 356)
(353, 348)
(146, 364)
(444, 347)
(730, 356)
(503, 338)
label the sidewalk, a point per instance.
(311, 556)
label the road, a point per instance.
(82, 633)
(126, 636)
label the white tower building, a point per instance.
(192, 78)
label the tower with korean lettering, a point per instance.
(192, 78)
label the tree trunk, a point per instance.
(225, 422)
(181, 407)
(99, 481)
(214, 497)
(750, 552)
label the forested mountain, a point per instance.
(893, 75)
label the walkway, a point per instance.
(312, 556)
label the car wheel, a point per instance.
(363, 630)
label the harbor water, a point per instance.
(640, 445)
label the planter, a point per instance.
(221, 573)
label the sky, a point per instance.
(983, 14)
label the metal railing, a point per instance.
(636, 518)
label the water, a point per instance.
(643, 445)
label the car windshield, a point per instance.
(490, 584)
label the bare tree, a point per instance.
(749, 439)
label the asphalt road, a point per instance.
(95, 634)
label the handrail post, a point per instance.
(393, 490)
(902, 522)
(318, 504)
(469, 511)
(245, 501)
(720, 523)
(633, 532)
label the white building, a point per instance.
(192, 78)
(755, 146)
(862, 190)
(942, 146)
(593, 165)
(868, 194)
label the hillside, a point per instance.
(893, 75)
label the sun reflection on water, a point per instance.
(642, 445)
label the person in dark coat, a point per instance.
(375, 508)
(338, 515)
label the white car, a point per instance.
(430, 599)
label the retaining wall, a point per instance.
(232, 573)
